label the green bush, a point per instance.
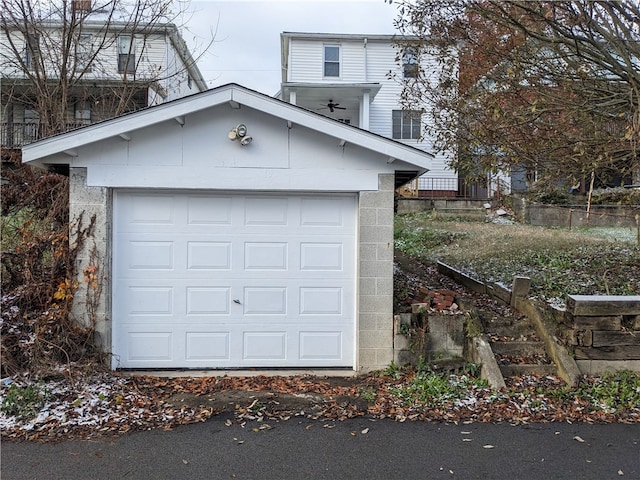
(438, 389)
(24, 402)
(613, 391)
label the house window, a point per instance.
(32, 50)
(126, 54)
(406, 124)
(83, 113)
(83, 52)
(410, 63)
(81, 6)
(331, 61)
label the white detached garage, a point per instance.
(273, 249)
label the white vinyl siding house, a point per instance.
(365, 87)
(159, 68)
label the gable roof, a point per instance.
(39, 153)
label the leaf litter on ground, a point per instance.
(108, 403)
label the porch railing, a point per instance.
(15, 135)
(438, 187)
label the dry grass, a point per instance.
(559, 261)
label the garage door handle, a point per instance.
(235, 300)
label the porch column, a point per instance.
(364, 110)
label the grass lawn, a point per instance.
(559, 261)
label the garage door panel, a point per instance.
(265, 255)
(323, 212)
(208, 300)
(151, 255)
(265, 300)
(265, 346)
(266, 211)
(208, 210)
(207, 346)
(316, 345)
(321, 301)
(321, 256)
(149, 300)
(150, 346)
(208, 255)
(242, 280)
(145, 210)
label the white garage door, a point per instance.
(228, 280)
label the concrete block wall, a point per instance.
(92, 306)
(375, 279)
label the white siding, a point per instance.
(365, 65)
(155, 57)
(307, 66)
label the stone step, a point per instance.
(514, 332)
(518, 348)
(493, 321)
(527, 369)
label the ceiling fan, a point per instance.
(332, 106)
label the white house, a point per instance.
(109, 67)
(235, 230)
(357, 79)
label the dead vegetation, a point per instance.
(38, 273)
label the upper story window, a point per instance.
(331, 61)
(83, 52)
(32, 50)
(410, 64)
(81, 6)
(406, 124)
(126, 54)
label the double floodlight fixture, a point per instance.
(239, 132)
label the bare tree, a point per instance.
(552, 87)
(98, 55)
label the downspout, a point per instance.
(366, 62)
(362, 121)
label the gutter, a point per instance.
(186, 57)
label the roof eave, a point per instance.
(37, 152)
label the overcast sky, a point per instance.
(246, 49)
